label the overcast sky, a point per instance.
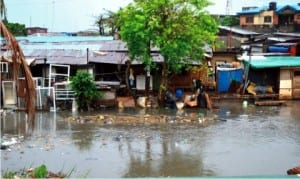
(77, 15)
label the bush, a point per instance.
(85, 89)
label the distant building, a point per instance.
(36, 30)
(271, 15)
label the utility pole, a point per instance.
(228, 7)
(247, 69)
(53, 15)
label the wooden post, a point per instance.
(247, 70)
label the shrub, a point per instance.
(85, 89)
(40, 172)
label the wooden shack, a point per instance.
(284, 71)
(289, 83)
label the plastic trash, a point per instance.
(245, 104)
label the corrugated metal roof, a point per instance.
(293, 7)
(95, 45)
(119, 58)
(75, 53)
(117, 45)
(287, 34)
(238, 31)
(253, 10)
(279, 9)
(71, 52)
(261, 62)
(62, 38)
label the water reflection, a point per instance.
(247, 142)
(18, 123)
(83, 135)
(172, 156)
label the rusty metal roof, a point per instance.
(119, 58)
(79, 52)
(238, 30)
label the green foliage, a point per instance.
(107, 21)
(40, 172)
(85, 89)
(9, 174)
(229, 21)
(15, 28)
(179, 28)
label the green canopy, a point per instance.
(260, 62)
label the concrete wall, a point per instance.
(259, 19)
(297, 18)
(285, 84)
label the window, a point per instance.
(249, 19)
(267, 19)
(3, 67)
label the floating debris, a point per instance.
(5, 144)
(146, 119)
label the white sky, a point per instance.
(77, 15)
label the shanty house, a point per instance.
(282, 73)
(54, 59)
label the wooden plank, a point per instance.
(269, 102)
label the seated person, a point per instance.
(170, 100)
(201, 98)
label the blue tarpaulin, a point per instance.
(226, 76)
(280, 49)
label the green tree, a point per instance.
(85, 89)
(229, 21)
(99, 22)
(107, 20)
(15, 28)
(110, 21)
(179, 28)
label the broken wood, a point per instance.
(20, 65)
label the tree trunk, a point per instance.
(129, 90)
(127, 76)
(147, 76)
(163, 85)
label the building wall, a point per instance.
(289, 83)
(260, 18)
(243, 20)
(296, 83)
(297, 18)
(275, 19)
(34, 30)
(285, 85)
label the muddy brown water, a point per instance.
(240, 141)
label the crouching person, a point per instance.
(201, 98)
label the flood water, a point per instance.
(251, 141)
